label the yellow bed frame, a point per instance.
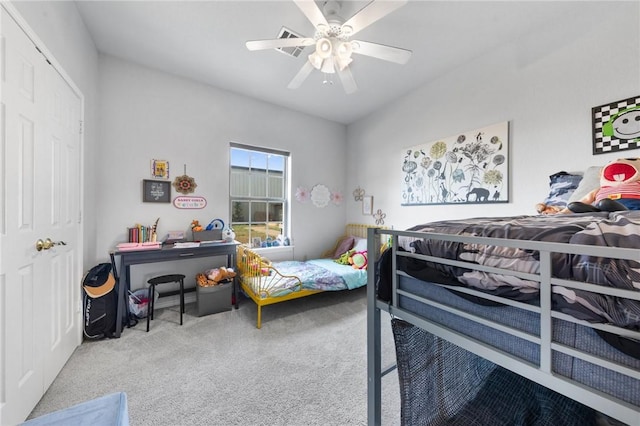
(259, 278)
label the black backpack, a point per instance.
(100, 302)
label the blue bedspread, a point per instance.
(323, 274)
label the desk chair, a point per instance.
(164, 279)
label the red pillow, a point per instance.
(343, 246)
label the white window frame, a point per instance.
(284, 200)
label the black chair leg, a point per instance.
(181, 300)
(149, 305)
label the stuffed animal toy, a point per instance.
(215, 276)
(195, 226)
(358, 260)
(344, 258)
(543, 208)
(619, 189)
(220, 274)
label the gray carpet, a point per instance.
(306, 366)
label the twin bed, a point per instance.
(267, 282)
(481, 305)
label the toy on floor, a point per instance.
(619, 189)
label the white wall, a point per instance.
(147, 114)
(545, 86)
(60, 27)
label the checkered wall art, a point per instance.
(616, 126)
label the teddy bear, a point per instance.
(195, 226)
(619, 189)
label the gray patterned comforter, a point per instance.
(619, 229)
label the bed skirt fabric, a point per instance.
(442, 384)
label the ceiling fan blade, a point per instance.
(348, 82)
(380, 51)
(301, 76)
(371, 13)
(312, 12)
(279, 42)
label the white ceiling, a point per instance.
(205, 41)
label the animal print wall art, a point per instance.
(468, 168)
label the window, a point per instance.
(258, 193)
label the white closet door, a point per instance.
(40, 319)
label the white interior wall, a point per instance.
(545, 86)
(147, 114)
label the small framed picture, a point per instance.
(256, 242)
(367, 205)
(156, 191)
(160, 169)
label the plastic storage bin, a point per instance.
(214, 299)
(213, 235)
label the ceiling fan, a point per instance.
(332, 39)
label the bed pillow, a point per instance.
(589, 182)
(343, 246)
(360, 244)
(562, 185)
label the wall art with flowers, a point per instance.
(468, 168)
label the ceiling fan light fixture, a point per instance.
(344, 50)
(327, 66)
(343, 63)
(315, 60)
(332, 40)
(324, 48)
(347, 30)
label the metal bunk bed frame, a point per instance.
(542, 374)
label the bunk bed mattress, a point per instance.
(618, 229)
(570, 334)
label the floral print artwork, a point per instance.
(466, 168)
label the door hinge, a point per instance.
(81, 127)
(43, 55)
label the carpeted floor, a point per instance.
(306, 366)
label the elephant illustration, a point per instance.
(480, 193)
